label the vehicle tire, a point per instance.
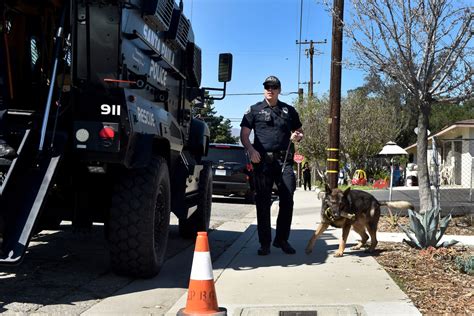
(201, 218)
(139, 220)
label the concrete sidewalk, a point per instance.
(352, 285)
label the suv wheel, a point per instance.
(201, 218)
(139, 220)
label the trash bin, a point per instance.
(412, 175)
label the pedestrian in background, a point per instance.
(306, 176)
(341, 176)
(276, 125)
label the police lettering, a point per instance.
(157, 73)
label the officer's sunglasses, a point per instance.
(271, 86)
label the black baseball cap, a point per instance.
(273, 81)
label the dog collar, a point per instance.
(329, 214)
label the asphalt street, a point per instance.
(68, 272)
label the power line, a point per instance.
(257, 93)
(310, 53)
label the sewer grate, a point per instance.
(298, 313)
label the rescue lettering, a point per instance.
(145, 117)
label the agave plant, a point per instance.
(428, 228)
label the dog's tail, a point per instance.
(398, 204)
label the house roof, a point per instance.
(465, 122)
(446, 129)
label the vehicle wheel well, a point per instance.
(161, 147)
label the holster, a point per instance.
(270, 157)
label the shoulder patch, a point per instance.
(285, 110)
(248, 110)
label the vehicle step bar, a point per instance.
(23, 193)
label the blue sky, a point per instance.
(261, 35)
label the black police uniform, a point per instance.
(272, 128)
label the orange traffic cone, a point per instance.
(202, 299)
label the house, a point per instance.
(455, 154)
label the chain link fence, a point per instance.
(453, 171)
(454, 167)
(456, 174)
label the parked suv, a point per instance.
(232, 171)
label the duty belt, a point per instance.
(278, 155)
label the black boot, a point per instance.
(285, 246)
(263, 251)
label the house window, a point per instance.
(458, 147)
(445, 151)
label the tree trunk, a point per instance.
(422, 158)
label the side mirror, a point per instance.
(225, 67)
(225, 74)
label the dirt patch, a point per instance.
(460, 225)
(432, 278)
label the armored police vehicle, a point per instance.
(99, 97)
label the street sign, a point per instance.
(298, 158)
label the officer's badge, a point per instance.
(285, 110)
(268, 116)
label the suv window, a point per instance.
(227, 154)
(232, 173)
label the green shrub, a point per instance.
(381, 174)
(428, 228)
(393, 219)
(465, 263)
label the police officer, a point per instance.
(275, 125)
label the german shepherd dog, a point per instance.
(352, 208)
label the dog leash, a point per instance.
(286, 157)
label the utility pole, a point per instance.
(309, 84)
(335, 94)
(310, 53)
(300, 95)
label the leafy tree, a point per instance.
(423, 46)
(445, 114)
(220, 128)
(366, 125)
(313, 115)
(391, 94)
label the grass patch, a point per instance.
(357, 187)
(345, 186)
(399, 281)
